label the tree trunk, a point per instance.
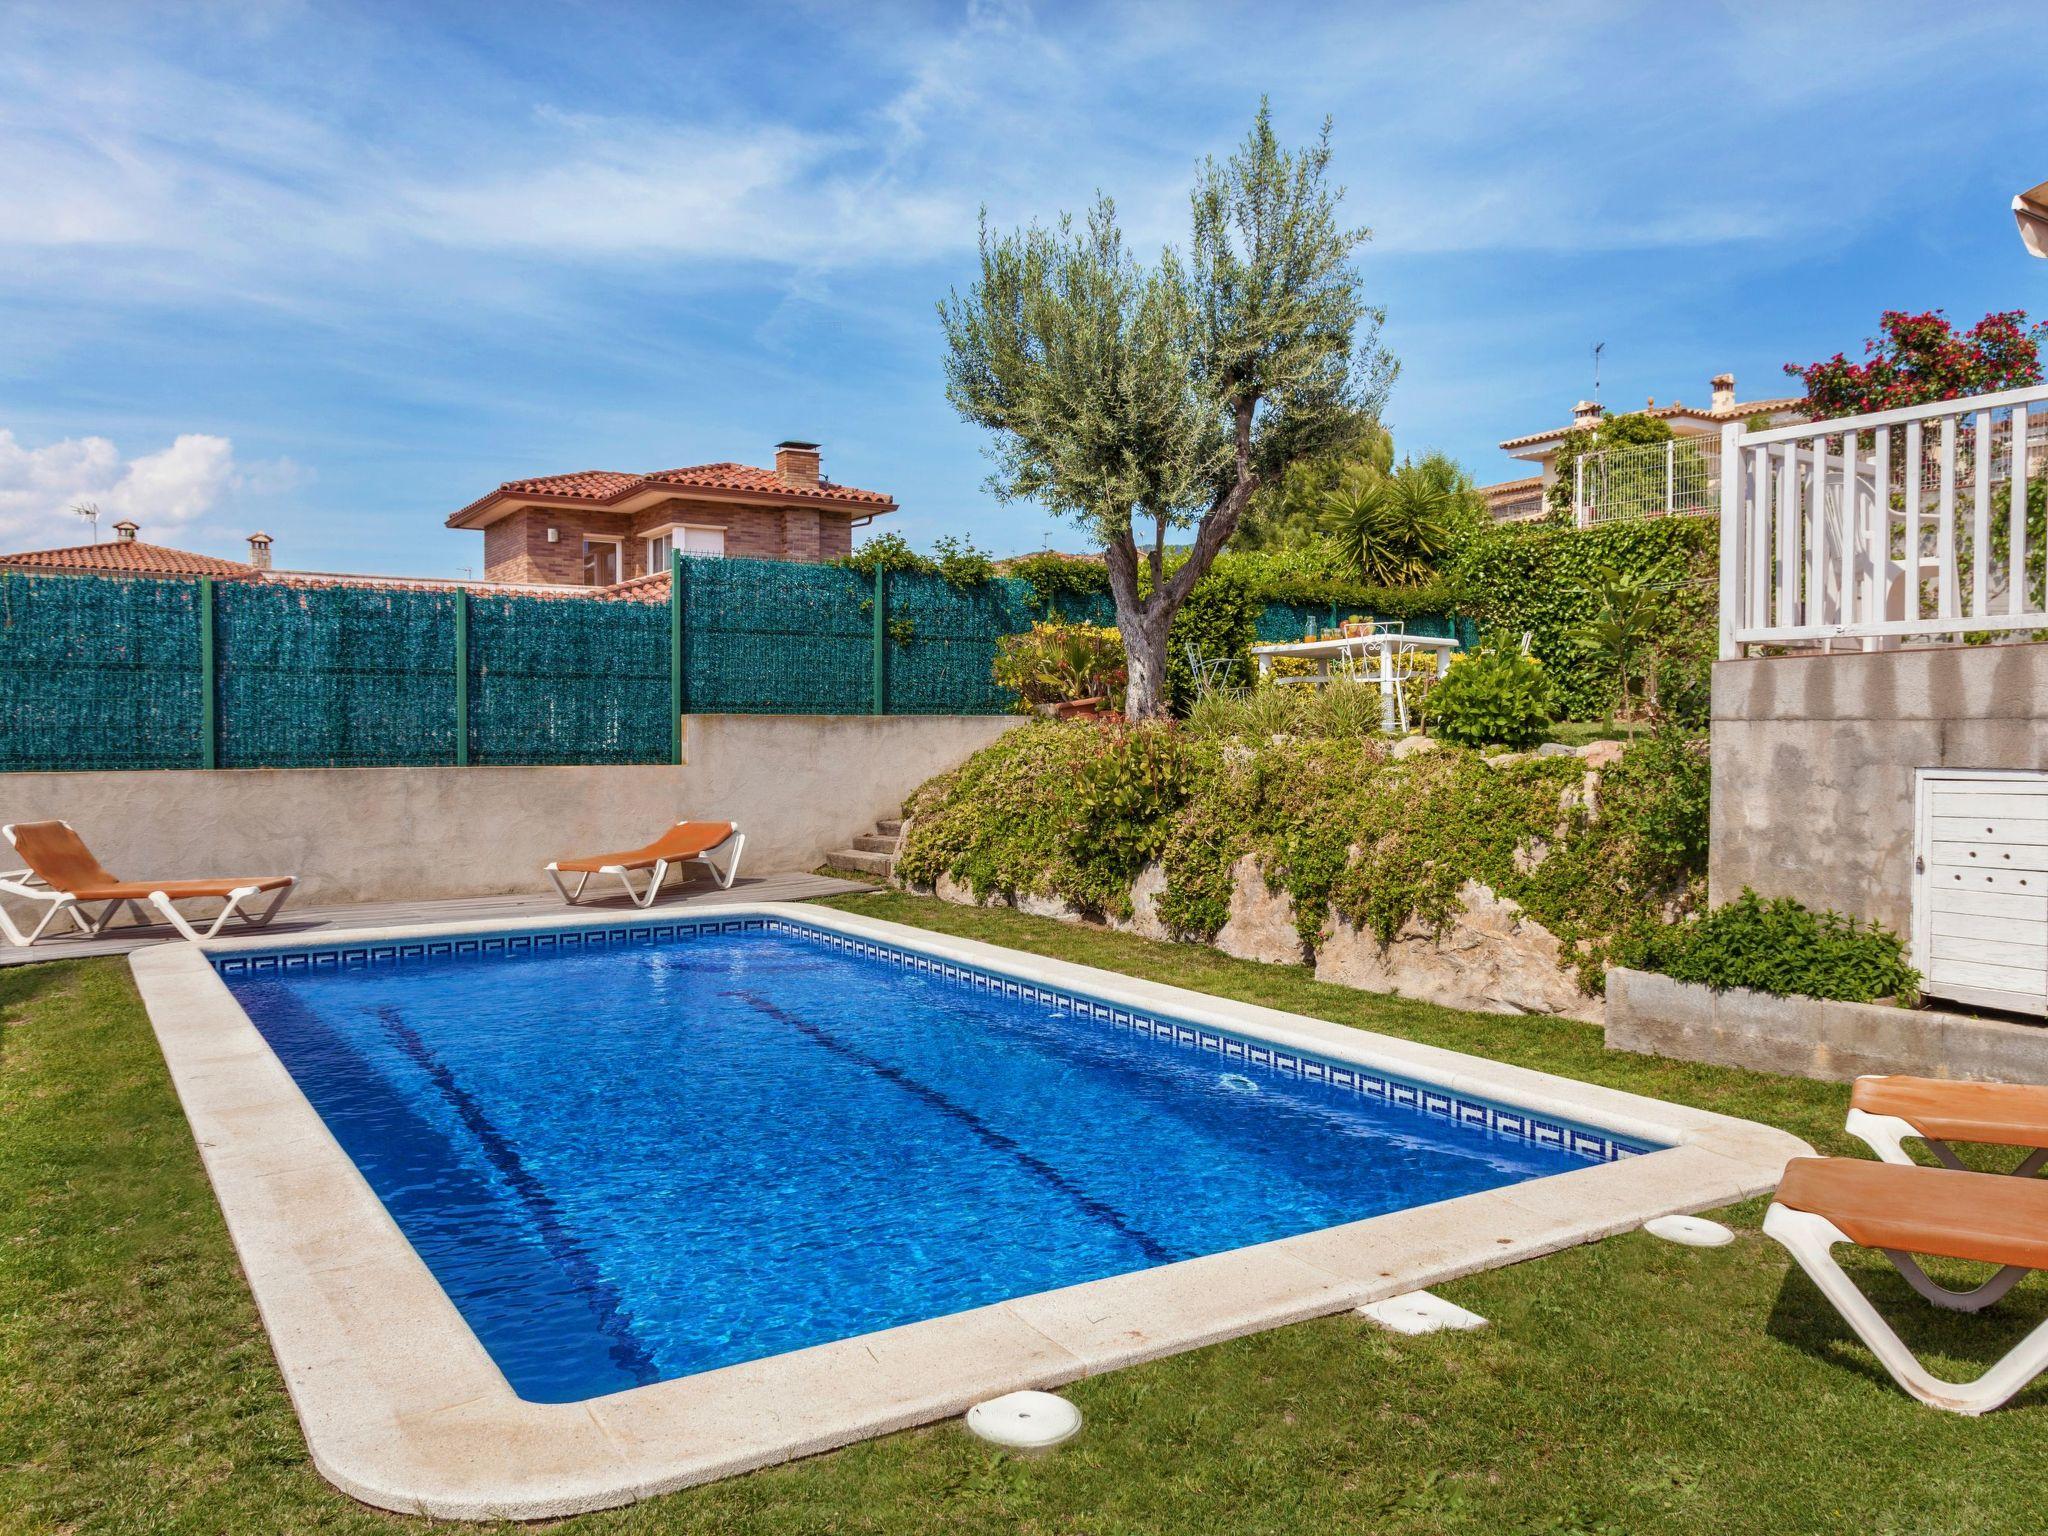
(1145, 660)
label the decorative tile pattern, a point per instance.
(1499, 1119)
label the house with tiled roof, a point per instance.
(1525, 498)
(600, 527)
(129, 556)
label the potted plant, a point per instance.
(1063, 670)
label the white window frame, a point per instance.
(618, 544)
(670, 531)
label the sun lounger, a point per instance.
(687, 842)
(62, 874)
(1906, 1211)
(1886, 1111)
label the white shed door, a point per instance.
(1980, 907)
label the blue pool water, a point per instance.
(628, 1161)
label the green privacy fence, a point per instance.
(109, 672)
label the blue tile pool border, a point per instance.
(1438, 1103)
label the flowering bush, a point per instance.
(1494, 696)
(1053, 663)
(1920, 358)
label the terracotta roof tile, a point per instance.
(728, 476)
(126, 558)
(598, 487)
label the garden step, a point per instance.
(860, 862)
(876, 842)
(890, 826)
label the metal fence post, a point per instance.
(881, 641)
(209, 746)
(461, 677)
(676, 700)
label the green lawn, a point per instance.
(1628, 1387)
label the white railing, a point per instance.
(1869, 529)
(1665, 479)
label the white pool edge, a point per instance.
(402, 1408)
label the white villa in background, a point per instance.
(1524, 500)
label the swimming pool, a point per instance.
(811, 1177)
(635, 1153)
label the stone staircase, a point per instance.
(873, 854)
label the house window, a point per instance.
(600, 562)
(691, 541)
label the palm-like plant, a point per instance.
(1628, 617)
(1394, 528)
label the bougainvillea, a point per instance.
(1919, 358)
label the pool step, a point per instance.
(873, 854)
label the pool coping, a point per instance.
(402, 1407)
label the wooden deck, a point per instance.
(296, 921)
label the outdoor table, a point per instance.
(1359, 647)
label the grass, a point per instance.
(1624, 1387)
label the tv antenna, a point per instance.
(1598, 348)
(91, 513)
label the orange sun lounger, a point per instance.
(1989, 1218)
(62, 873)
(687, 842)
(1888, 1111)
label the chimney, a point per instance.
(126, 529)
(1587, 413)
(797, 463)
(259, 550)
(1723, 385)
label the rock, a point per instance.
(1556, 749)
(1031, 904)
(956, 891)
(1505, 759)
(1414, 746)
(1144, 920)
(1261, 921)
(1602, 754)
(1492, 958)
(1529, 856)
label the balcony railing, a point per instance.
(1871, 529)
(1647, 480)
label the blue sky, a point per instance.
(336, 270)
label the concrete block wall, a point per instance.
(1814, 762)
(798, 785)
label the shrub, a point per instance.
(1548, 583)
(1494, 696)
(957, 560)
(1052, 662)
(1785, 948)
(1219, 619)
(1078, 811)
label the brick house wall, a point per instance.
(516, 547)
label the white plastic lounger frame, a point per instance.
(1886, 1135)
(724, 877)
(1809, 1237)
(233, 908)
(28, 884)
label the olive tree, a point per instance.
(1138, 398)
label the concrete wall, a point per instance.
(1806, 1037)
(1814, 759)
(798, 785)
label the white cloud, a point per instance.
(162, 491)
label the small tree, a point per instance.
(1171, 392)
(1920, 358)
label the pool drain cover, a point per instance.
(1025, 1421)
(1693, 1231)
(1419, 1312)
